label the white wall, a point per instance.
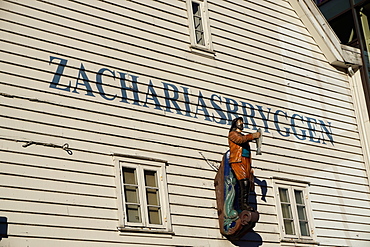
(264, 56)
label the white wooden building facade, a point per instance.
(108, 106)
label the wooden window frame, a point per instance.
(141, 164)
(291, 186)
(207, 48)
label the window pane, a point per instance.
(304, 228)
(199, 37)
(301, 213)
(298, 196)
(154, 215)
(284, 197)
(152, 197)
(196, 9)
(150, 178)
(289, 227)
(198, 25)
(287, 212)
(294, 211)
(131, 194)
(129, 175)
(133, 213)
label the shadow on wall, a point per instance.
(251, 239)
(3, 227)
(253, 196)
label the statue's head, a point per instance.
(237, 124)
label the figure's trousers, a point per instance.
(243, 170)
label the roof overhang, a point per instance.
(338, 55)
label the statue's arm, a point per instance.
(240, 139)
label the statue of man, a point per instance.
(240, 160)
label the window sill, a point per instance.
(203, 51)
(299, 241)
(291, 180)
(145, 230)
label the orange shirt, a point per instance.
(240, 165)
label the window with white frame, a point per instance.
(293, 210)
(142, 194)
(200, 34)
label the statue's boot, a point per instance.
(244, 185)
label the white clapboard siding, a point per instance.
(64, 221)
(258, 55)
(76, 125)
(35, 183)
(282, 90)
(263, 21)
(362, 229)
(47, 208)
(148, 110)
(85, 236)
(333, 110)
(110, 139)
(339, 208)
(59, 198)
(338, 122)
(264, 55)
(281, 14)
(94, 164)
(344, 239)
(281, 7)
(364, 220)
(340, 111)
(58, 242)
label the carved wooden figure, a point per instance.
(234, 182)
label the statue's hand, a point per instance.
(256, 135)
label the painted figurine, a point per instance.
(233, 183)
(240, 160)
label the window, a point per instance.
(142, 194)
(197, 22)
(289, 204)
(200, 34)
(294, 212)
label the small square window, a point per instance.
(142, 194)
(294, 211)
